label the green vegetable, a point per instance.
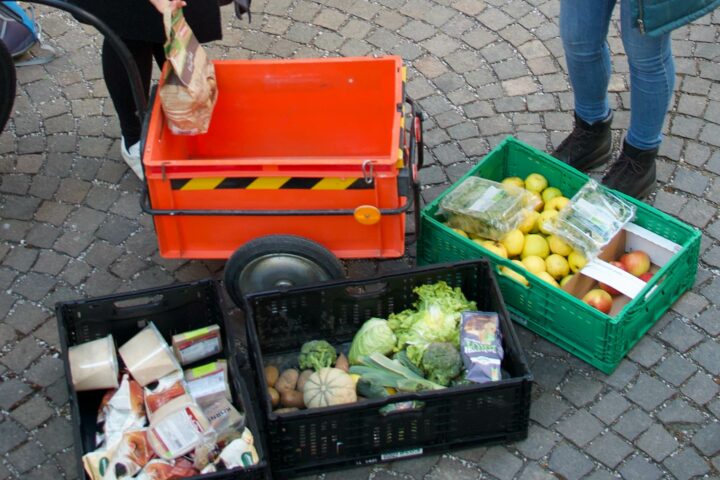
(375, 335)
(436, 318)
(402, 357)
(368, 388)
(441, 363)
(377, 368)
(317, 354)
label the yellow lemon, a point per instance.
(548, 278)
(535, 245)
(576, 261)
(559, 246)
(530, 222)
(536, 183)
(534, 264)
(549, 193)
(514, 181)
(496, 247)
(543, 220)
(557, 266)
(557, 203)
(514, 242)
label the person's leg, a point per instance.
(652, 77)
(583, 29)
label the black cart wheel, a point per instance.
(278, 261)
(7, 85)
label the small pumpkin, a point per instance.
(327, 387)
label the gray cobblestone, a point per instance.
(27, 457)
(675, 369)
(609, 449)
(580, 428)
(569, 462)
(639, 468)
(22, 355)
(500, 463)
(547, 409)
(708, 355)
(686, 464)
(633, 423)
(580, 390)
(647, 352)
(11, 435)
(610, 407)
(657, 443)
(708, 321)
(12, 392)
(649, 392)
(538, 444)
(679, 411)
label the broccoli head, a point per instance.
(441, 362)
(317, 354)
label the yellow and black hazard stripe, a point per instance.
(271, 183)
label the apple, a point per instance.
(645, 277)
(535, 245)
(513, 241)
(559, 246)
(557, 203)
(546, 217)
(538, 202)
(546, 277)
(566, 279)
(514, 181)
(557, 266)
(534, 264)
(529, 224)
(637, 262)
(607, 287)
(496, 247)
(599, 299)
(549, 193)
(536, 183)
(577, 261)
(509, 272)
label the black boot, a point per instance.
(588, 145)
(634, 171)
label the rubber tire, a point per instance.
(278, 244)
(8, 85)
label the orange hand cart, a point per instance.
(306, 161)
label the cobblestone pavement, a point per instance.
(71, 226)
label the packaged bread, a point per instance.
(129, 457)
(167, 470)
(189, 347)
(163, 390)
(121, 410)
(94, 365)
(239, 453)
(147, 356)
(177, 428)
(208, 382)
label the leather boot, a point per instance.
(588, 145)
(633, 173)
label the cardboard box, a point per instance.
(631, 238)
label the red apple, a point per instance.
(607, 287)
(637, 262)
(599, 299)
(645, 277)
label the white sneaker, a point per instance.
(132, 157)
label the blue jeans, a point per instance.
(583, 29)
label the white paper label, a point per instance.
(208, 385)
(199, 350)
(487, 199)
(179, 432)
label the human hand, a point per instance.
(163, 5)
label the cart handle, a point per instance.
(126, 58)
(415, 145)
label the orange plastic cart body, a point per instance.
(320, 134)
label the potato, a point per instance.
(287, 380)
(274, 396)
(271, 375)
(342, 363)
(303, 378)
(292, 398)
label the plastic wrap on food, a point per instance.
(121, 410)
(148, 356)
(167, 470)
(189, 347)
(163, 390)
(239, 453)
(224, 419)
(208, 383)
(591, 219)
(481, 346)
(486, 208)
(130, 455)
(177, 428)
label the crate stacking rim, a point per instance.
(291, 143)
(593, 336)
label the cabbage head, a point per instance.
(374, 336)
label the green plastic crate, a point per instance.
(593, 336)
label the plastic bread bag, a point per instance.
(224, 419)
(121, 410)
(130, 456)
(148, 356)
(189, 347)
(239, 453)
(208, 382)
(167, 470)
(591, 219)
(486, 208)
(189, 90)
(179, 427)
(161, 391)
(481, 346)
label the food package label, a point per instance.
(193, 346)
(179, 432)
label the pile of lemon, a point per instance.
(531, 245)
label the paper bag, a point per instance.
(189, 91)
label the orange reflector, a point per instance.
(367, 214)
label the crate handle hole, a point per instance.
(138, 301)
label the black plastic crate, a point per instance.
(174, 309)
(313, 440)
